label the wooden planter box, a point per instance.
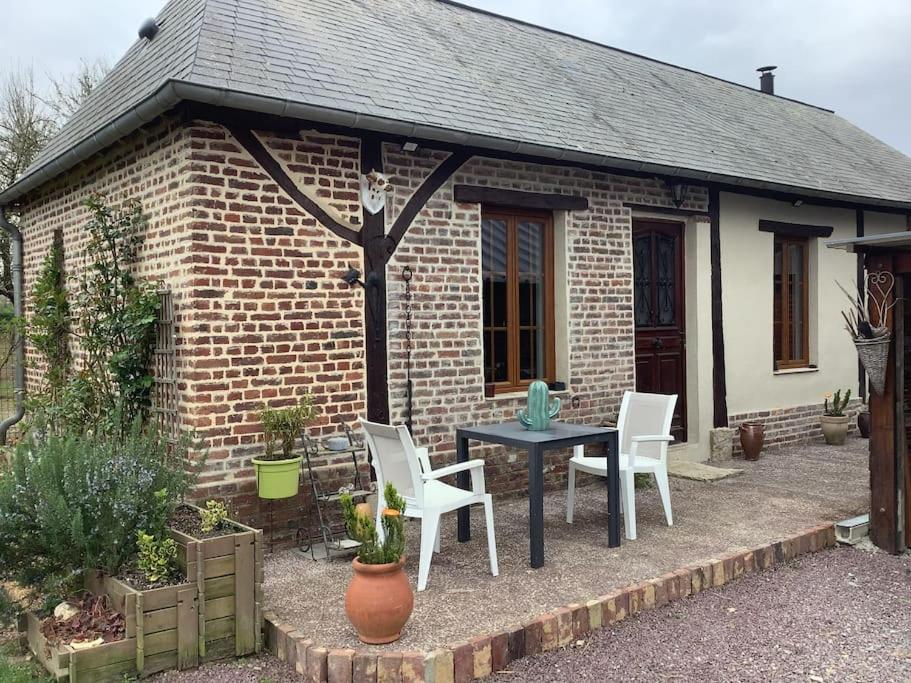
(228, 571)
(162, 632)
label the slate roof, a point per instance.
(451, 72)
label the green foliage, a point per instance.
(12, 671)
(157, 556)
(213, 515)
(838, 405)
(49, 327)
(362, 529)
(116, 319)
(8, 609)
(74, 502)
(283, 426)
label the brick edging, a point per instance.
(478, 657)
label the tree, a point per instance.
(28, 120)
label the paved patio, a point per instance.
(783, 493)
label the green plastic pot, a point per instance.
(277, 478)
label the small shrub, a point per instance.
(213, 515)
(157, 557)
(70, 503)
(363, 530)
(283, 426)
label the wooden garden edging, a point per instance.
(161, 634)
(479, 657)
(228, 573)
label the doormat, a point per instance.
(697, 471)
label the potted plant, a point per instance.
(871, 334)
(834, 421)
(379, 598)
(278, 472)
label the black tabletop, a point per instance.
(514, 434)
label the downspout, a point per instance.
(15, 238)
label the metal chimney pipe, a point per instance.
(767, 79)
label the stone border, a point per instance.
(479, 657)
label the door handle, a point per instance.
(657, 343)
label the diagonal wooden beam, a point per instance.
(274, 170)
(419, 199)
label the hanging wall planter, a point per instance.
(874, 356)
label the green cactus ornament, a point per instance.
(537, 416)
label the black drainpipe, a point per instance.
(15, 238)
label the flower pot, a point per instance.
(379, 601)
(752, 436)
(277, 478)
(834, 429)
(863, 424)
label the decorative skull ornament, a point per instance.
(374, 188)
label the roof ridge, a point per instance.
(591, 41)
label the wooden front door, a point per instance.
(658, 278)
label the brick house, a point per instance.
(569, 211)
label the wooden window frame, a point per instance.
(792, 363)
(512, 217)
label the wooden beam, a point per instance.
(494, 196)
(719, 381)
(248, 140)
(862, 293)
(669, 210)
(795, 229)
(375, 256)
(418, 200)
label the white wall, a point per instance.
(746, 275)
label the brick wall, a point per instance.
(788, 426)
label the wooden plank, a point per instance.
(109, 673)
(201, 601)
(244, 598)
(163, 641)
(219, 566)
(482, 194)
(219, 649)
(187, 629)
(219, 588)
(164, 661)
(883, 522)
(160, 598)
(102, 655)
(160, 620)
(140, 632)
(719, 381)
(216, 629)
(54, 659)
(258, 588)
(220, 607)
(218, 546)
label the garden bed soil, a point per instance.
(95, 619)
(187, 520)
(136, 579)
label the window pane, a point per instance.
(528, 355)
(776, 305)
(494, 263)
(666, 293)
(796, 284)
(642, 286)
(496, 361)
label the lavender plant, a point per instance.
(75, 502)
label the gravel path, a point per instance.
(840, 615)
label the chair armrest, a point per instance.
(453, 469)
(653, 437)
(476, 467)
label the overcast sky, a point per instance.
(848, 55)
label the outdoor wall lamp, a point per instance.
(353, 277)
(678, 191)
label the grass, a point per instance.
(18, 672)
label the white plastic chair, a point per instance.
(396, 460)
(645, 432)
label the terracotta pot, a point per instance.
(863, 424)
(834, 429)
(379, 601)
(752, 436)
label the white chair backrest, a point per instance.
(645, 415)
(395, 460)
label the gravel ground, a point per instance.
(260, 669)
(783, 493)
(840, 615)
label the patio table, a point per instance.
(558, 435)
